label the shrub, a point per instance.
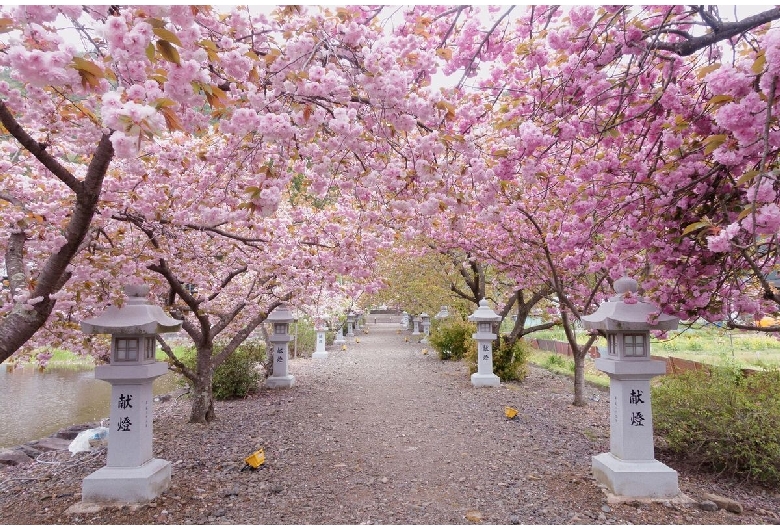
(554, 360)
(559, 364)
(510, 363)
(451, 339)
(238, 375)
(304, 338)
(725, 421)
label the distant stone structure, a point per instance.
(280, 320)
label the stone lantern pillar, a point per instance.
(339, 334)
(131, 473)
(425, 321)
(630, 468)
(484, 316)
(280, 318)
(351, 318)
(320, 352)
(416, 325)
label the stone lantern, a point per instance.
(320, 352)
(339, 334)
(351, 319)
(416, 325)
(630, 468)
(280, 318)
(484, 317)
(425, 322)
(443, 313)
(131, 473)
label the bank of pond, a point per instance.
(35, 403)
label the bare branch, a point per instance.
(484, 41)
(725, 30)
(226, 281)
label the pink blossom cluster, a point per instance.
(39, 67)
(127, 41)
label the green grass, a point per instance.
(703, 343)
(67, 359)
(561, 364)
(721, 347)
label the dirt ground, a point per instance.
(381, 434)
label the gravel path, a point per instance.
(381, 434)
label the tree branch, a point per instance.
(726, 30)
(180, 366)
(38, 150)
(226, 281)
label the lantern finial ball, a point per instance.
(136, 291)
(625, 284)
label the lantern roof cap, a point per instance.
(443, 312)
(484, 313)
(622, 313)
(136, 317)
(281, 314)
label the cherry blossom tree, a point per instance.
(568, 125)
(728, 238)
(305, 85)
(567, 148)
(67, 113)
(250, 111)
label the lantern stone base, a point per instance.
(110, 485)
(635, 478)
(285, 381)
(319, 355)
(485, 380)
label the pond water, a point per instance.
(35, 404)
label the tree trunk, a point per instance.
(579, 377)
(268, 361)
(21, 324)
(579, 353)
(202, 410)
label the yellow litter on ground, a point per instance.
(510, 412)
(344, 347)
(256, 459)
